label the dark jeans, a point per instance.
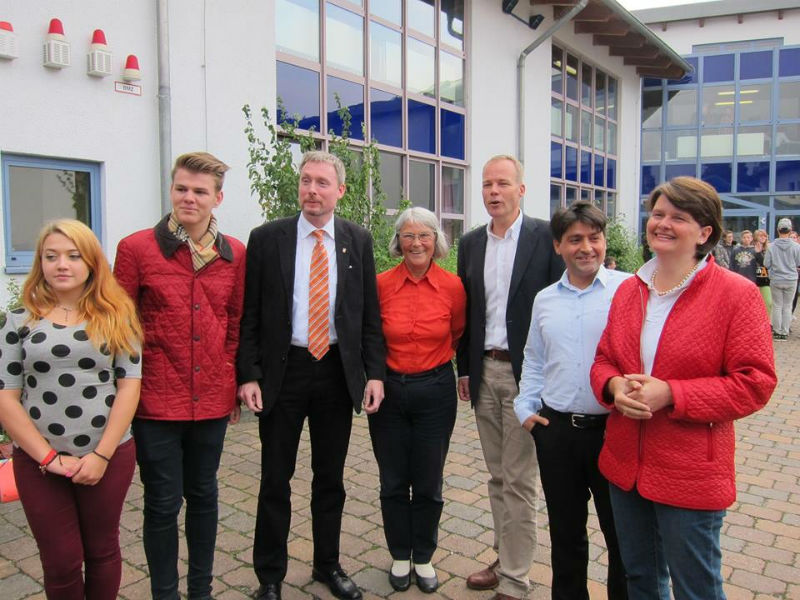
(410, 436)
(77, 526)
(317, 390)
(179, 459)
(570, 477)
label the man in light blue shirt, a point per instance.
(556, 403)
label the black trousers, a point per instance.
(569, 474)
(317, 390)
(410, 437)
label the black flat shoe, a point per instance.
(269, 591)
(339, 583)
(400, 583)
(427, 585)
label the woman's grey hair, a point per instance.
(424, 217)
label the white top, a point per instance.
(497, 268)
(658, 309)
(302, 271)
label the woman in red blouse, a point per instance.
(423, 311)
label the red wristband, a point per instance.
(49, 458)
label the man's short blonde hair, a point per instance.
(202, 162)
(520, 170)
(326, 157)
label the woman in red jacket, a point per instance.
(687, 350)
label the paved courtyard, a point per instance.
(761, 534)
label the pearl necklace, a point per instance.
(675, 287)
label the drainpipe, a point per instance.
(521, 73)
(164, 100)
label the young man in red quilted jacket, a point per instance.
(187, 281)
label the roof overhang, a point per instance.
(611, 25)
(709, 10)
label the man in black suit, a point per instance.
(292, 365)
(503, 266)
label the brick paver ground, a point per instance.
(761, 534)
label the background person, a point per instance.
(669, 446)
(760, 245)
(69, 381)
(782, 260)
(186, 279)
(423, 313)
(743, 257)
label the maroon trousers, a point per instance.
(76, 525)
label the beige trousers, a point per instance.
(510, 457)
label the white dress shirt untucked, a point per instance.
(497, 269)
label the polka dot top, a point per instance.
(68, 386)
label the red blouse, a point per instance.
(422, 320)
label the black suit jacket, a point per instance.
(536, 265)
(266, 327)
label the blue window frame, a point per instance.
(37, 190)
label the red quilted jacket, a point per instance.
(715, 353)
(190, 321)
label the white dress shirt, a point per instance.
(566, 326)
(497, 268)
(302, 271)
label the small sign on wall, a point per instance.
(127, 88)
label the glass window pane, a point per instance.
(787, 139)
(351, 95)
(555, 117)
(421, 126)
(755, 65)
(422, 184)
(556, 171)
(788, 202)
(572, 77)
(650, 178)
(420, 67)
(586, 86)
(556, 65)
(718, 68)
(420, 16)
(386, 55)
(598, 199)
(586, 167)
(344, 41)
(38, 195)
(391, 10)
(789, 99)
(787, 176)
(297, 28)
(453, 229)
(755, 102)
(392, 178)
(571, 123)
(586, 128)
(651, 146)
(555, 198)
(586, 195)
(681, 107)
(452, 134)
(612, 138)
(718, 175)
(298, 90)
(599, 170)
(451, 78)
(789, 62)
(752, 176)
(599, 133)
(678, 170)
(451, 23)
(571, 195)
(611, 173)
(718, 105)
(716, 143)
(600, 92)
(611, 205)
(651, 82)
(386, 117)
(612, 98)
(571, 163)
(753, 141)
(680, 144)
(651, 108)
(452, 189)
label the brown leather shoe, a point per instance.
(485, 579)
(500, 596)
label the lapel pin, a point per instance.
(344, 250)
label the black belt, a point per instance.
(421, 374)
(577, 420)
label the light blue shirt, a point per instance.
(566, 326)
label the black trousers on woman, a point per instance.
(410, 437)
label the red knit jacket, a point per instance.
(715, 352)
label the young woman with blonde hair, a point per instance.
(760, 244)
(69, 386)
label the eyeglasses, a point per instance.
(425, 236)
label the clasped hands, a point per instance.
(639, 396)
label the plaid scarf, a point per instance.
(204, 252)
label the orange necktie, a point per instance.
(318, 334)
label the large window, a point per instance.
(37, 190)
(398, 65)
(583, 130)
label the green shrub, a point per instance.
(624, 246)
